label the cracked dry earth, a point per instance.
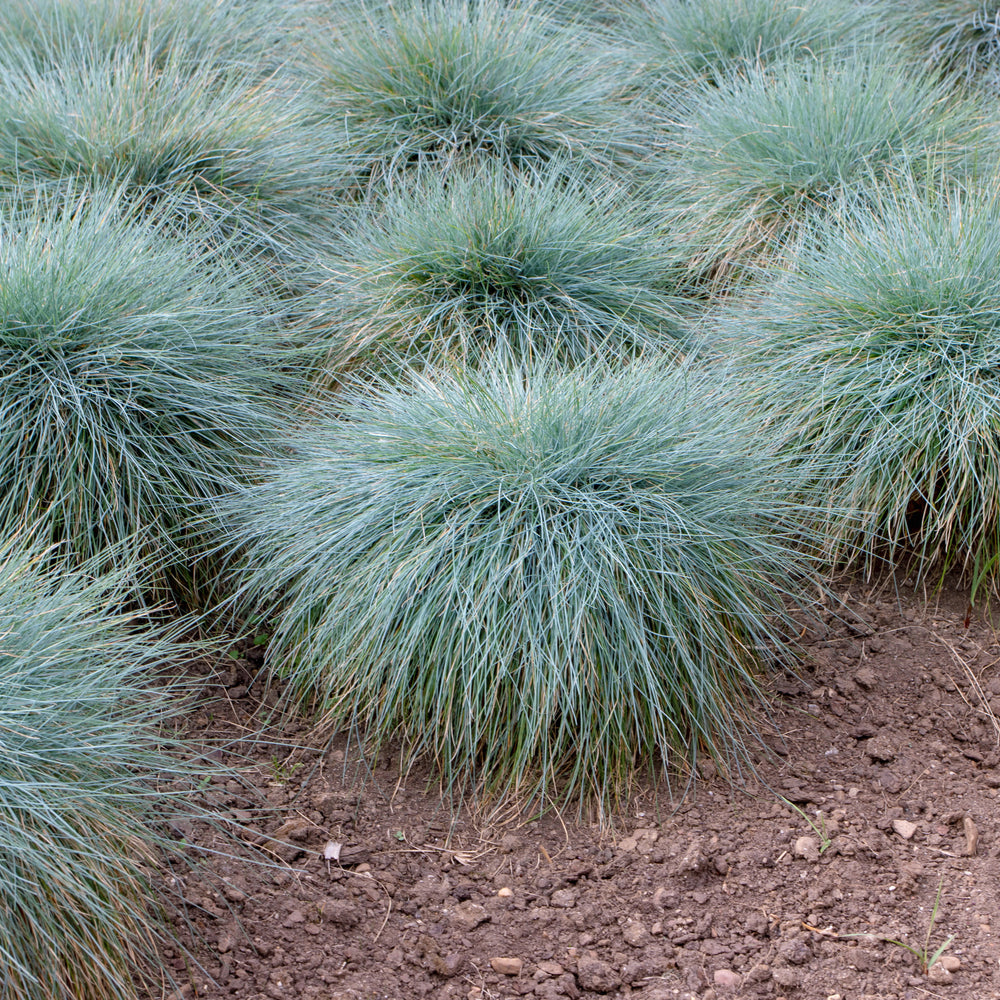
(886, 830)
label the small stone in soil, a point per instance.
(507, 966)
(971, 836)
(635, 934)
(939, 974)
(550, 969)
(866, 678)
(807, 848)
(449, 965)
(726, 979)
(563, 898)
(904, 828)
(468, 916)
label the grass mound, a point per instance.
(217, 33)
(761, 154)
(679, 42)
(876, 362)
(444, 81)
(476, 262)
(544, 583)
(224, 146)
(956, 38)
(136, 380)
(81, 760)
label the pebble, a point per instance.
(939, 974)
(807, 848)
(564, 899)
(507, 966)
(468, 916)
(635, 934)
(904, 828)
(726, 979)
(548, 968)
(505, 892)
(866, 678)
(971, 836)
(951, 962)
(449, 965)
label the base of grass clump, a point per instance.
(83, 770)
(546, 585)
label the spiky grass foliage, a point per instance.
(443, 81)
(875, 362)
(545, 583)
(83, 780)
(226, 147)
(762, 154)
(471, 263)
(219, 33)
(137, 378)
(956, 38)
(679, 42)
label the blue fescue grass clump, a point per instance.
(446, 81)
(758, 156)
(474, 262)
(546, 584)
(223, 145)
(958, 39)
(84, 773)
(875, 363)
(137, 376)
(679, 42)
(219, 33)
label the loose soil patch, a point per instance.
(887, 772)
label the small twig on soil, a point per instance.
(386, 920)
(462, 857)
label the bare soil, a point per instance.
(874, 821)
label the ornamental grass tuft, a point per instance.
(446, 81)
(875, 362)
(137, 377)
(474, 262)
(679, 42)
(960, 39)
(218, 33)
(546, 584)
(226, 148)
(764, 153)
(84, 779)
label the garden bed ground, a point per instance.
(887, 732)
